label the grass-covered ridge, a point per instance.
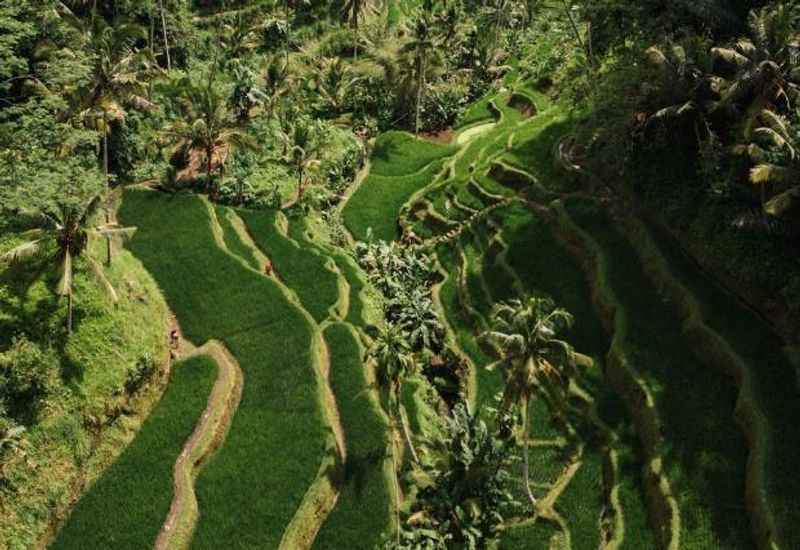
(362, 513)
(279, 415)
(138, 486)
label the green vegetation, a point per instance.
(497, 273)
(140, 480)
(362, 512)
(374, 206)
(303, 270)
(279, 412)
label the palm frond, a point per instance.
(24, 251)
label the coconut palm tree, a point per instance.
(117, 77)
(418, 59)
(206, 126)
(773, 134)
(276, 84)
(533, 358)
(351, 13)
(334, 81)
(301, 151)
(395, 362)
(62, 234)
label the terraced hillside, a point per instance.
(673, 417)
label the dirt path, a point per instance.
(207, 437)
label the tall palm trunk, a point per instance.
(209, 186)
(164, 33)
(355, 28)
(109, 252)
(69, 313)
(401, 417)
(525, 445)
(420, 86)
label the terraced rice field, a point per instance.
(138, 486)
(680, 433)
(491, 254)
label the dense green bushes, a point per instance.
(138, 486)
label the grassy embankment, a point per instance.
(243, 500)
(138, 486)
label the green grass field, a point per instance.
(378, 201)
(251, 488)
(302, 270)
(362, 512)
(401, 154)
(705, 452)
(126, 507)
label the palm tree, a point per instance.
(775, 133)
(117, 79)
(275, 84)
(302, 148)
(64, 233)
(765, 65)
(499, 15)
(395, 362)
(418, 57)
(334, 82)
(117, 76)
(206, 126)
(351, 13)
(533, 359)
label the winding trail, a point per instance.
(208, 436)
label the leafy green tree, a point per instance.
(206, 126)
(533, 359)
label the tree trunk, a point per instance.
(69, 313)
(406, 435)
(420, 85)
(209, 186)
(109, 252)
(288, 31)
(164, 32)
(525, 444)
(355, 49)
(575, 30)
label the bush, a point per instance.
(28, 376)
(140, 374)
(339, 43)
(443, 105)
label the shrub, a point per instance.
(28, 375)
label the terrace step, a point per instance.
(646, 378)
(710, 337)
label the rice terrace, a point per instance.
(400, 274)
